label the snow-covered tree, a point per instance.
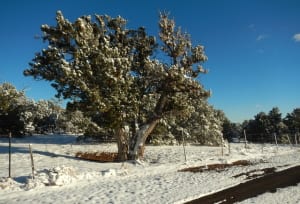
(9, 96)
(15, 114)
(46, 113)
(103, 67)
(205, 124)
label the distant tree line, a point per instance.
(264, 125)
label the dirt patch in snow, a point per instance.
(98, 156)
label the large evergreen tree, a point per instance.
(103, 67)
(275, 120)
(263, 127)
(259, 128)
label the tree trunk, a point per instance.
(122, 142)
(137, 143)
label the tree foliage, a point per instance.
(9, 97)
(204, 126)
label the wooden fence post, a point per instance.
(9, 155)
(32, 163)
(289, 140)
(222, 146)
(262, 143)
(275, 137)
(183, 144)
(245, 138)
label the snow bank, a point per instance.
(9, 184)
(58, 176)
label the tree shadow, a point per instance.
(42, 139)
(24, 150)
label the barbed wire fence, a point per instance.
(282, 138)
(14, 150)
(24, 156)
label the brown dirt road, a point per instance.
(252, 188)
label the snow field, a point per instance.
(61, 178)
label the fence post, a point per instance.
(9, 155)
(222, 146)
(262, 143)
(32, 163)
(289, 140)
(275, 137)
(183, 144)
(245, 137)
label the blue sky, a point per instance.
(252, 45)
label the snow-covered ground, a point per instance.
(61, 178)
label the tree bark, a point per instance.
(137, 143)
(122, 142)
